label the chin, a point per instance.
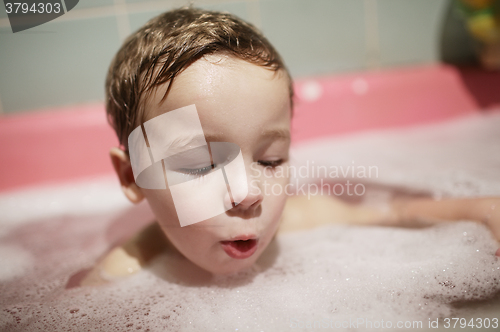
(233, 267)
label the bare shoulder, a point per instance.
(301, 212)
(128, 258)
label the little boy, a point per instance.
(232, 76)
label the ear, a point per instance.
(123, 168)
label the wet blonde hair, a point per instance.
(167, 45)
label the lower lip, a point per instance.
(239, 249)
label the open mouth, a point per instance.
(240, 249)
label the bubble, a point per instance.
(335, 273)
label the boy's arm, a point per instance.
(485, 210)
(303, 213)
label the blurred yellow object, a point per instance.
(484, 27)
(483, 22)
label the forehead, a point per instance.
(232, 96)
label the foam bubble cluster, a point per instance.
(331, 274)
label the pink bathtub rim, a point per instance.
(64, 144)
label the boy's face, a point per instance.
(248, 105)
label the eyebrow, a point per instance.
(182, 142)
(268, 134)
(276, 134)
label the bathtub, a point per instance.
(61, 209)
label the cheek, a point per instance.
(275, 204)
(162, 205)
(280, 201)
(275, 184)
(190, 241)
(276, 193)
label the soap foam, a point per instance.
(334, 273)
(14, 262)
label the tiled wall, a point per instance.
(64, 62)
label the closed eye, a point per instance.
(270, 163)
(197, 171)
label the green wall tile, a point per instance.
(65, 62)
(410, 30)
(57, 63)
(137, 19)
(138, 1)
(93, 3)
(316, 37)
(236, 8)
(3, 12)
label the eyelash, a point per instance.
(205, 170)
(270, 163)
(197, 171)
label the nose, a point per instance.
(246, 194)
(251, 201)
